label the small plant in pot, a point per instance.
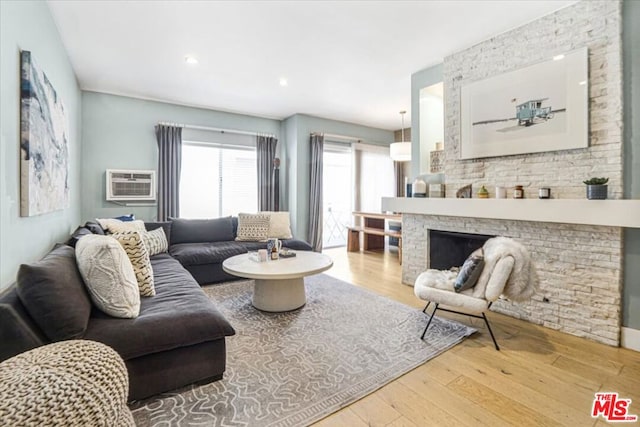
(596, 188)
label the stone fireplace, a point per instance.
(580, 269)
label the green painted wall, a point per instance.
(631, 76)
(28, 25)
(298, 129)
(118, 133)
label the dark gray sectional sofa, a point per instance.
(179, 336)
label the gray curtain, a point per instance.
(266, 149)
(398, 174)
(315, 193)
(169, 162)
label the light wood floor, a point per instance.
(540, 377)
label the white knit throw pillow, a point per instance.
(108, 274)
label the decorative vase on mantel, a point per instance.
(597, 188)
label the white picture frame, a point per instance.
(538, 108)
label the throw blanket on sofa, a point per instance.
(523, 280)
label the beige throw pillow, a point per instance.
(253, 227)
(279, 225)
(155, 241)
(108, 274)
(112, 225)
(137, 252)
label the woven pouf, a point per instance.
(81, 383)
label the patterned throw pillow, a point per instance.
(155, 241)
(253, 227)
(470, 271)
(137, 252)
(108, 274)
(112, 225)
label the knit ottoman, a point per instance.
(78, 382)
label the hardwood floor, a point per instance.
(540, 377)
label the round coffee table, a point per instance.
(279, 284)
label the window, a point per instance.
(218, 177)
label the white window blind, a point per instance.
(218, 177)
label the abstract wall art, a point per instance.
(542, 107)
(44, 143)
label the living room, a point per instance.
(564, 344)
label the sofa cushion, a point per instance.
(54, 295)
(179, 315)
(136, 250)
(201, 230)
(207, 253)
(215, 252)
(296, 245)
(109, 275)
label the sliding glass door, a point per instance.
(337, 194)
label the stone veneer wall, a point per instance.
(595, 24)
(579, 266)
(580, 270)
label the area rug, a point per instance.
(291, 369)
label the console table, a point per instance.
(373, 228)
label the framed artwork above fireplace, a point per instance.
(538, 108)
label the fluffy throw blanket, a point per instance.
(522, 283)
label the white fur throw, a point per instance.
(522, 283)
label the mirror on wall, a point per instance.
(431, 128)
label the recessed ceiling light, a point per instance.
(558, 57)
(191, 60)
(283, 82)
(582, 83)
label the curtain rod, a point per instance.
(221, 130)
(335, 135)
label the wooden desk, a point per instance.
(373, 228)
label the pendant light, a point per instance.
(401, 151)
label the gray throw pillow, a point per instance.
(470, 271)
(54, 294)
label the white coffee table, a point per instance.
(279, 284)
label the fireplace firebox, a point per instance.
(450, 249)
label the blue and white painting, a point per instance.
(44, 143)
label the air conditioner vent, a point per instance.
(128, 185)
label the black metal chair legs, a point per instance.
(484, 317)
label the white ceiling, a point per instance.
(344, 60)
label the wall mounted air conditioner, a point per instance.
(130, 185)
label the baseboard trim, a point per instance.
(630, 338)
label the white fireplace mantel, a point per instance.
(612, 213)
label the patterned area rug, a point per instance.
(291, 369)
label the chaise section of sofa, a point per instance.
(177, 339)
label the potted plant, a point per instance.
(596, 188)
